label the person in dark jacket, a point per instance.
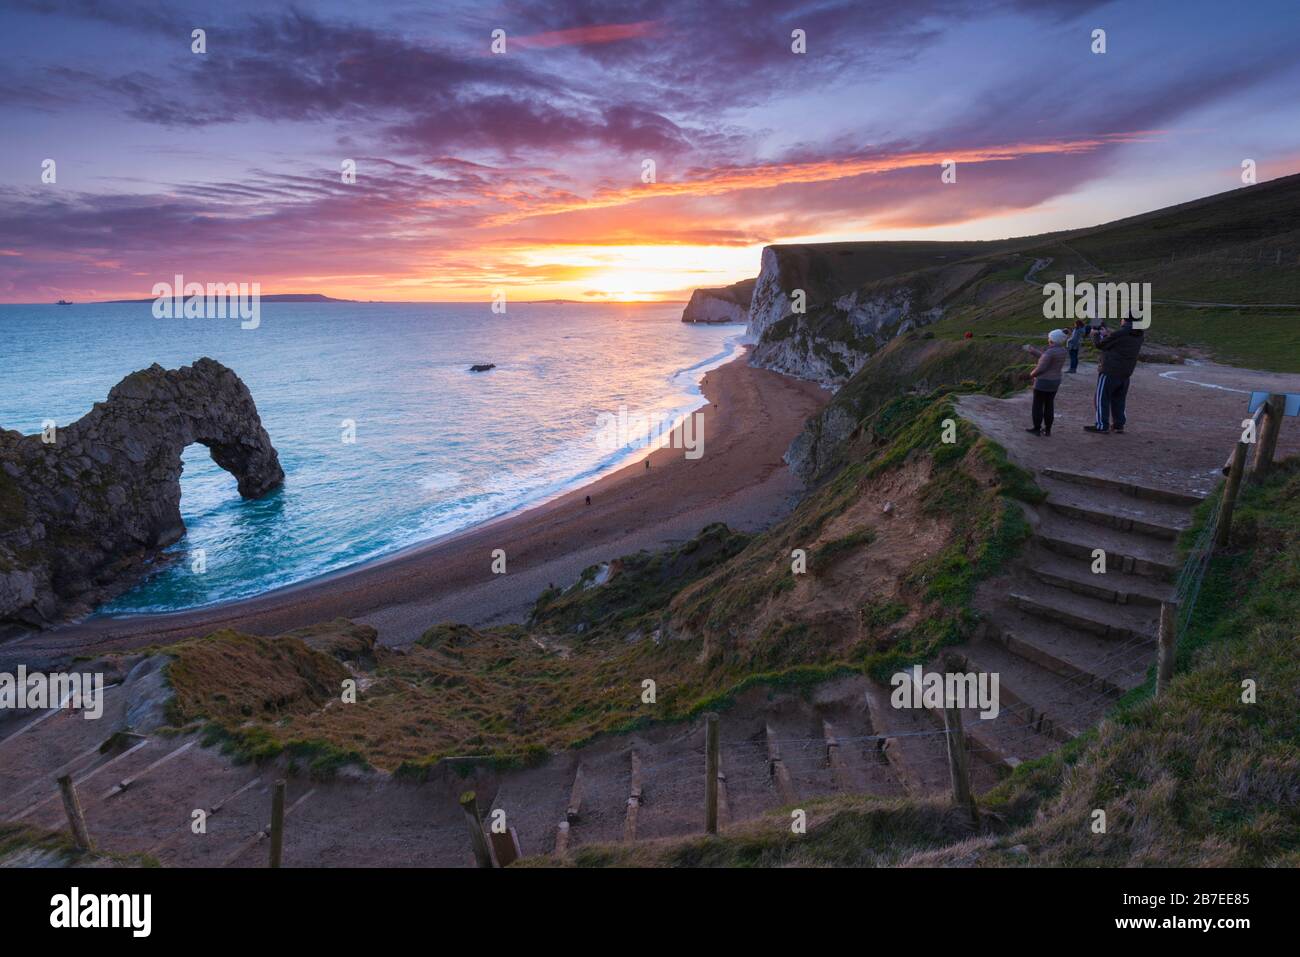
(1075, 341)
(1118, 358)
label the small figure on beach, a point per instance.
(1047, 379)
(647, 464)
(1119, 356)
(588, 499)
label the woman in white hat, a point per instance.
(1047, 379)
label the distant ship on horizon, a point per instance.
(64, 302)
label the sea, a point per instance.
(386, 437)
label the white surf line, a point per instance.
(1207, 385)
(127, 782)
(84, 778)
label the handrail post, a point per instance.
(1230, 490)
(277, 823)
(958, 763)
(76, 818)
(469, 804)
(1272, 425)
(711, 774)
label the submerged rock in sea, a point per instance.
(84, 506)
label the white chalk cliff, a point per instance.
(721, 304)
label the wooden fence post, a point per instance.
(1235, 472)
(1268, 434)
(633, 800)
(506, 847)
(469, 804)
(76, 819)
(958, 762)
(711, 774)
(562, 839)
(574, 810)
(277, 823)
(777, 770)
(1167, 646)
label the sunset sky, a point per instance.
(522, 171)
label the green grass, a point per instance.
(1256, 338)
(23, 845)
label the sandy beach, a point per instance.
(751, 417)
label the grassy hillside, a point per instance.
(22, 845)
(1236, 250)
(840, 267)
(915, 363)
(1196, 777)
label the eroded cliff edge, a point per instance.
(81, 514)
(856, 297)
(720, 304)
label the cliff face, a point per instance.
(769, 302)
(722, 304)
(853, 303)
(831, 343)
(910, 364)
(79, 515)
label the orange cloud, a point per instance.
(769, 175)
(580, 36)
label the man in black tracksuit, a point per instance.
(1118, 359)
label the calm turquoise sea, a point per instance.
(438, 448)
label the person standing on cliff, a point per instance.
(1047, 380)
(1119, 355)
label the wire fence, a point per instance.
(1187, 588)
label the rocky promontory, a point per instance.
(721, 304)
(85, 505)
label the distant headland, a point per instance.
(281, 297)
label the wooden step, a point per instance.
(1125, 553)
(919, 759)
(1116, 510)
(1007, 740)
(1168, 496)
(1093, 664)
(857, 760)
(986, 745)
(1106, 620)
(1053, 706)
(1056, 570)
